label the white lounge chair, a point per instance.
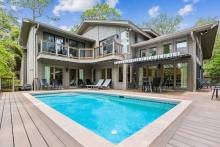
(106, 84)
(99, 84)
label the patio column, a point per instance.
(77, 71)
(125, 68)
(193, 78)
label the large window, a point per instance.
(168, 80)
(120, 74)
(54, 74)
(72, 77)
(103, 73)
(181, 75)
(181, 47)
(148, 52)
(152, 72)
(167, 48)
(109, 73)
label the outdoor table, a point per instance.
(215, 90)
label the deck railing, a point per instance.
(113, 48)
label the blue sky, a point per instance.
(137, 11)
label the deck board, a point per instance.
(20, 137)
(6, 136)
(49, 137)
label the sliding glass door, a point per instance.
(182, 75)
(52, 73)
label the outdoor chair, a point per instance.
(201, 83)
(56, 84)
(44, 84)
(88, 82)
(99, 84)
(106, 84)
(147, 85)
(215, 91)
(25, 87)
(81, 84)
(156, 84)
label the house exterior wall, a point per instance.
(31, 56)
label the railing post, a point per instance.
(13, 84)
(0, 84)
(68, 51)
(79, 53)
(113, 47)
(93, 53)
(56, 49)
(41, 46)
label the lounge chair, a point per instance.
(99, 84)
(106, 84)
(56, 84)
(25, 87)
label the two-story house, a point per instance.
(117, 50)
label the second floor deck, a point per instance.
(53, 50)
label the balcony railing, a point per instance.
(80, 53)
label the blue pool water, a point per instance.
(110, 116)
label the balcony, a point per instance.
(101, 52)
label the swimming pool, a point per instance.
(112, 117)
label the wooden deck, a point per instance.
(23, 125)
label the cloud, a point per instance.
(191, 1)
(78, 5)
(154, 11)
(66, 28)
(112, 3)
(186, 10)
(73, 6)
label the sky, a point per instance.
(138, 11)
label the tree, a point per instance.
(74, 28)
(101, 12)
(10, 52)
(164, 24)
(37, 7)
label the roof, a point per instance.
(124, 23)
(208, 38)
(27, 24)
(152, 32)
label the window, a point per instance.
(109, 73)
(129, 73)
(120, 74)
(81, 74)
(167, 48)
(181, 47)
(103, 73)
(181, 75)
(168, 72)
(54, 73)
(148, 52)
(94, 75)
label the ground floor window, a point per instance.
(120, 74)
(103, 73)
(72, 77)
(152, 72)
(168, 77)
(53, 73)
(94, 75)
(81, 74)
(129, 74)
(109, 73)
(181, 75)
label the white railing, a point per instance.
(80, 53)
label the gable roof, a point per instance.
(27, 24)
(207, 38)
(124, 23)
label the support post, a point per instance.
(13, 84)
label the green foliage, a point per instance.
(74, 28)
(164, 24)
(36, 6)
(101, 12)
(10, 52)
